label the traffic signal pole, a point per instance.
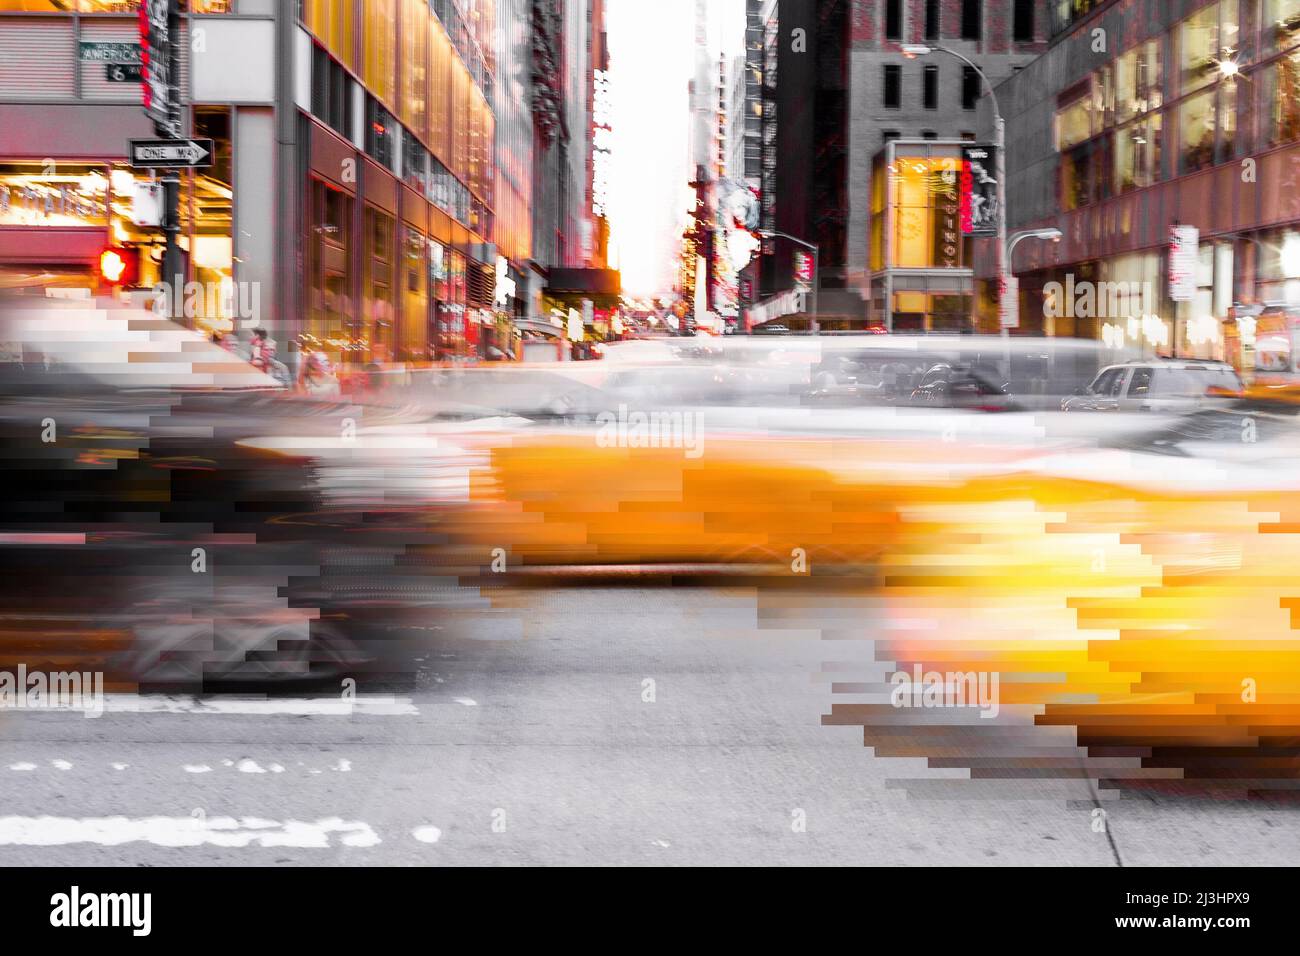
(173, 264)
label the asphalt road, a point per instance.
(532, 739)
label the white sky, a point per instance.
(652, 58)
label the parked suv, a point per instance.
(1167, 385)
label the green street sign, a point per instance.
(95, 51)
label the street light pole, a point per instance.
(813, 325)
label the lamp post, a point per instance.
(911, 51)
(817, 272)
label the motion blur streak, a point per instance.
(1157, 628)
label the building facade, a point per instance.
(933, 97)
(376, 163)
(1163, 139)
(837, 87)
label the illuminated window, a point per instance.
(380, 35)
(1137, 154)
(1280, 88)
(377, 287)
(926, 212)
(1205, 38)
(1282, 23)
(415, 81)
(1196, 130)
(1137, 81)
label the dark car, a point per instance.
(962, 386)
(141, 537)
(850, 376)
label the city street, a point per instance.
(547, 736)
(602, 433)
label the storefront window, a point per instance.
(53, 194)
(330, 309)
(378, 287)
(209, 210)
(415, 304)
(927, 225)
(453, 330)
(438, 271)
(69, 6)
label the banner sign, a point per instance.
(979, 191)
(155, 57)
(1184, 244)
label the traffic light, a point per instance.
(118, 266)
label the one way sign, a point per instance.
(171, 153)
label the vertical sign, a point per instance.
(155, 58)
(803, 270)
(1184, 243)
(1009, 302)
(947, 213)
(979, 191)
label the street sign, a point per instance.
(171, 154)
(1184, 249)
(99, 51)
(123, 72)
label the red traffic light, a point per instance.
(118, 266)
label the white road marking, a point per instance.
(467, 701)
(184, 831)
(426, 834)
(197, 768)
(248, 766)
(343, 766)
(61, 765)
(23, 766)
(377, 706)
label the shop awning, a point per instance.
(584, 283)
